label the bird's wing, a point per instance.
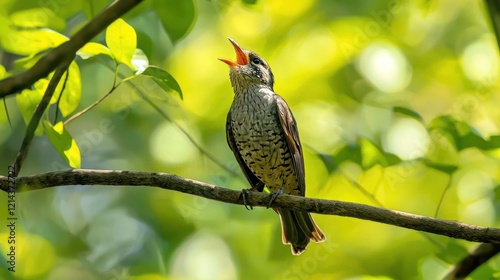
(252, 179)
(289, 127)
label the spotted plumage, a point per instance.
(262, 133)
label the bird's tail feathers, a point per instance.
(298, 228)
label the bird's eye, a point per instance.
(256, 61)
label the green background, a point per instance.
(396, 104)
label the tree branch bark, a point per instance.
(53, 58)
(321, 206)
(37, 115)
(481, 254)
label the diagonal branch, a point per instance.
(321, 206)
(481, 254)
(494, 9)
(68, 49)
(37, 115)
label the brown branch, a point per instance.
(473, 260)
(37, 115)
(68, 49)
(494, 10)
(321, 206)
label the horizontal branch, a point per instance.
(321, 206)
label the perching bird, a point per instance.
(262, 133)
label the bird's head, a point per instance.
(249, 69)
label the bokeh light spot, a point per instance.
(407, 138)
(203, 256)
(480, 61)
(385, 66)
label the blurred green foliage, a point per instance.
(396, 103)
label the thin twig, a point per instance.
(441, 199)
(188, 136)
(7, 112)
(90, 106)
(60, 95)
(105, 178)
(37, 115)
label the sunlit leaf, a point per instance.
(37, 18)
(372, 155)
(140, 61)
(72, 92)
(64, 144)
(4, 114)
(163, 79)
(26, 62)
(122, 42)
(177, 17)
(92, 49)
(29, 41)
(92, 7)
(28, 100)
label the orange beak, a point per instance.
(241, 57)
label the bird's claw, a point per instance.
(274, 195)
(244, 195)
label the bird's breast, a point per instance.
(260, 139)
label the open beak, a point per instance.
(241, 57)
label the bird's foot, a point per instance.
(244, 195)
(274, 195)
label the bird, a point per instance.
(262, 133)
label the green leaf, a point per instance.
(93, 7)
(494, 142)
(461, 134)
(346, 153)
(163, 79)
(72, 92)
(92, 49)
(37, 18)
(26, 42)
(446, 168)
(28, 100)
(407, 112)
(26, 62)
(372, 155)
(371, 277)
(64, 144)
(177, 17)
(2, 71)
(122, 42)
(140, 61)
(328, 161)
(497, 194)
(249, 2)
(145, 43)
